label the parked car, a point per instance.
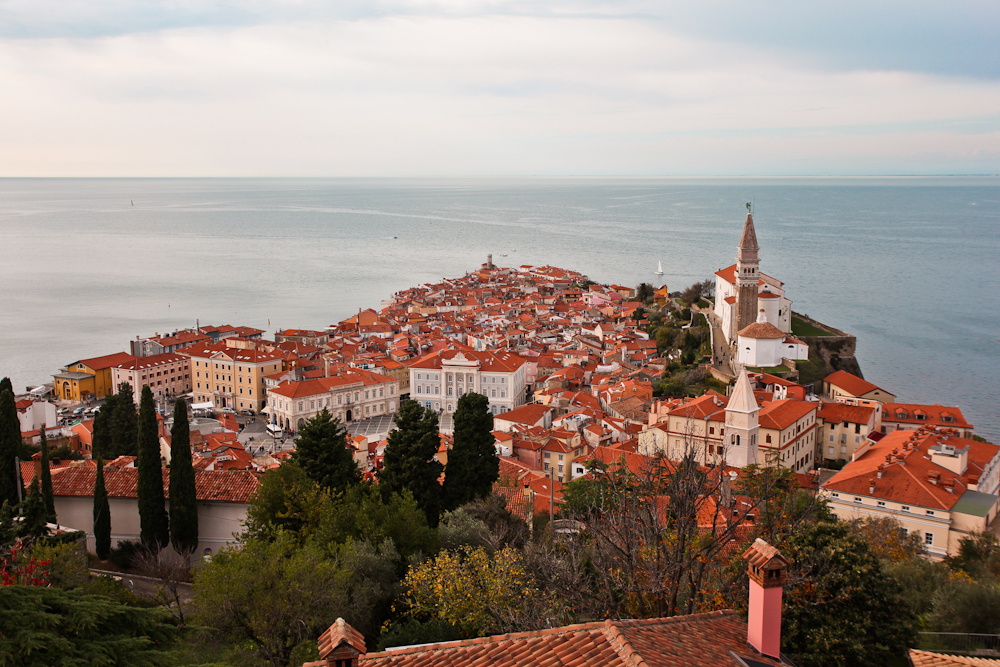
(247, 413)
(78, 411)
(229, 411)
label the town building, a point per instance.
(348, 396)
(231, 377)
(936, 484)
(841, 385)
(222, 500)
(844, 428)
(304, 336)
(167, 375)
(764, 345)
(911, 416)
(88, 379)
(439, 379)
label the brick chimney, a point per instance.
(341, 645)
(766, 567)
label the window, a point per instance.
(929, 539)
(930, 512)
(836, 495)
(768, 438)
(881, 503)
(905, 508)
(831, 451)
(857, 499)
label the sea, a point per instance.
(909, 265)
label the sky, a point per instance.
(498, 88)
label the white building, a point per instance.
(764, 345)
(741, 291)
(349, 396)
(438, 380)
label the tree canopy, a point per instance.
(124, 422)
(409, 459)
(321, 451)
(46, 478)
(473, 465)
(51, 627)
(102, 515)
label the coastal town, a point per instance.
(576, 376)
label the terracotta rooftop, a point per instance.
(928, 659)
(850, 383)
(231, 486)
(698, 640)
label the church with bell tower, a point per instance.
(742, 291)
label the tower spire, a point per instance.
(747, 275)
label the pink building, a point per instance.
(167, 375)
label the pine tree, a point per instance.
(125, 427)
(409, 462)
(101, 441)
(321, 451)
(473, 464)
(153, 523)
(10, 446)
(183, 500)
(46, 475)
(102, 515)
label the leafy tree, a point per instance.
(46, 475)
(287, 501)
(978, 556)
(475, 592)
(962, 605)
(409, 631)
(102, 515)
(10, 445)
(887, 538)
(645, 292)
(54, 627)
(409, 459)
(183, 499)
(920, 580)
(272, 595)
(366, 512)
(840, 607)
(473, 465)
(321, 451)
(125, 424)
(153, 523)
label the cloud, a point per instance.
(434, 89)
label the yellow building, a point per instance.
(230, 377)
(88, 379)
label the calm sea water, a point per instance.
(910, 266)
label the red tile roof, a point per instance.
(852, 384)
(935, 415)
(905, 465)
(108, 361)
(231, 486)
(781, 414)
(698, 640)
(836, 413)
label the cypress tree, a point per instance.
(101, 441)
(125, 429)
(153, 523)
(10, 447)
(473, 464)
(409, 459)
(46, 475)
(6, 384)
(102, 515)
(321, 451)
(183, 500)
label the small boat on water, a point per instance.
(659, 268)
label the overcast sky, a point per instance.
(454, 88)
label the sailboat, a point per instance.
(659, 268)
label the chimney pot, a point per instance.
(766, 569)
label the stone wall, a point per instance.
(836, 352)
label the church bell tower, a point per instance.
(747, 275)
